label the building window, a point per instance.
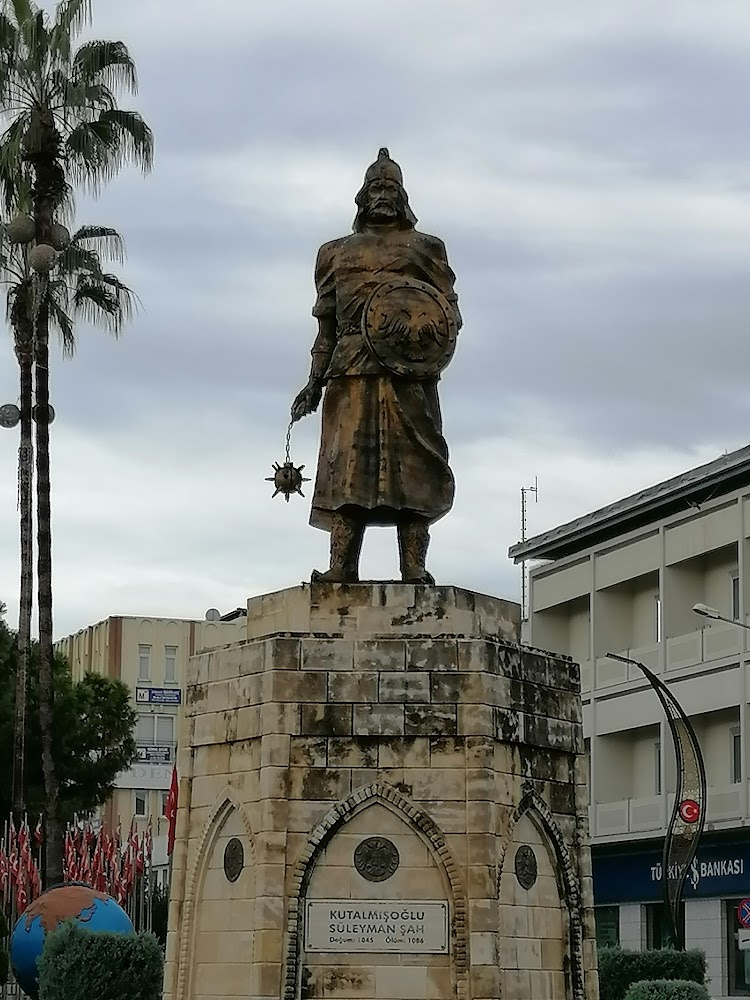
(141, 802)
(144, 663)
(736, 615)
(659, 927)
(738, 962)
(155, 738)
(736, 748)
(144, 730)
(164, 730)
(607, 926)
(170, 664)
(658, 618)
(657, 767)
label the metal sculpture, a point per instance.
(388, 319)
(689, 811)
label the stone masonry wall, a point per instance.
(359, 711)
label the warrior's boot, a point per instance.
(413, 542)
(346, 544)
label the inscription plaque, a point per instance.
(377, 925)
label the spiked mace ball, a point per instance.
(287, 479)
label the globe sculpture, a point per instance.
(96, 911)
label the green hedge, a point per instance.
(619, 969)
(4, 960)
(77, 964)
(667, 989)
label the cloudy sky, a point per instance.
(586, 163)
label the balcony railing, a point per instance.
(642, 815)
(711, 643)
(610, 671)
(714, 642)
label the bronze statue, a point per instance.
(387, 324)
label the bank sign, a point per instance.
(717, 870)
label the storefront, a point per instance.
(629, 910)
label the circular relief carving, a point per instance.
(410, 327)
(526, 867)
(376, 859)
(234, 859)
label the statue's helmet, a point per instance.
(384, 168)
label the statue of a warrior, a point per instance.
(387, 324)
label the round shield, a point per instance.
(410, 328)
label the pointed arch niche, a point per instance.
(218, 932)
(326, 870)
(540, 950)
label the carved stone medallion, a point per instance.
(526, 867)
(410, 327)
(376, 859)
(234, 859)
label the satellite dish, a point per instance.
(9, 415)
(36, 413)
(212, 615)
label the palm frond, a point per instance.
(106, 303)
(98, 149)
(106, 62)
(23, 10)
(8, 35)
(108, 244)
(15, 181)
(75, 259)
(35, 39)
(83, 97)
(62, 321)
(70, 17)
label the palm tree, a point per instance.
(78, 288)
(63, 125)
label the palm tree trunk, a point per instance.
(43, 152)
(54, 866)
(24, 347)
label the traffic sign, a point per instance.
(743, 913)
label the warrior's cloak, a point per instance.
(382, 447)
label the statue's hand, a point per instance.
(308, 400)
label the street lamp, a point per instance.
(705, 612)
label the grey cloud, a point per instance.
(586, 165)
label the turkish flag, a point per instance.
(170, 811)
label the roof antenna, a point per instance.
(524, 579)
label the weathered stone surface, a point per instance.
(395, 711)
(326, 720)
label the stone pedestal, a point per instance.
(382, 797)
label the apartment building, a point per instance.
(150, 655)
(625, 579)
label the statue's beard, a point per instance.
(382, 211)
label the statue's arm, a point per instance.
(448, 280)
(322, 349)
(308, 399)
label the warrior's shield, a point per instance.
(410, 328)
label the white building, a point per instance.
(624, 579)
(150, 656)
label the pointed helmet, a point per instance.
(384, 168)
